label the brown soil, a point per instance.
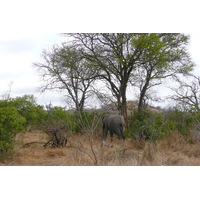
(84, 150)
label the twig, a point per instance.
(82, 149)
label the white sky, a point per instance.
(19, 52)
(27, 27)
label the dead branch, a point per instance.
(27, 144)
(55, 142)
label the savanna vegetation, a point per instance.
(101, 67)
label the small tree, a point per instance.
(63, 68)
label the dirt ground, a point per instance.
(85, 150)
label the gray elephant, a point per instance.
(115, 124)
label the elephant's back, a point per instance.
(115, 119)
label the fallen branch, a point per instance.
(27, 144)
(55, 142)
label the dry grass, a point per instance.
(87, 151)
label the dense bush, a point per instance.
(154, 126)
(26, 106)
(183, 121)
(146, 126)
(10, 123)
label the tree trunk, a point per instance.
(141, 103)
(124, 113)
(123, 106)
(142, 95)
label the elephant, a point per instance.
(115, 124)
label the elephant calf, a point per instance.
(115, 124)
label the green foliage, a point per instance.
(155, 126)
(26, 106)
(81, 122)
(62, 117)
(183, 121)
(10, 123)
(147, 126)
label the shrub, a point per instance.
(157, 125)
(183, 121)
(149, 125)
(10, 123)
(63, 118)
(26, 107)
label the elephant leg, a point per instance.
(121, 141)
(105, 133)
(111, 139)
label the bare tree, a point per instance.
(64, 68)
(188, 94)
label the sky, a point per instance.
(27, 27)
(18, 52)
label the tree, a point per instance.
(64, 68)
(115, 58)
(163, 56)
(121, 56)
(187, 95)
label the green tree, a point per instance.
(163, 55)
(122, 57)
(115, 58)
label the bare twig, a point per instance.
(89, 152)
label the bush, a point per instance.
(149, 125)
(183, 121)
(61, 117)
(157, 125)
(10, 123)
(26, 106)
